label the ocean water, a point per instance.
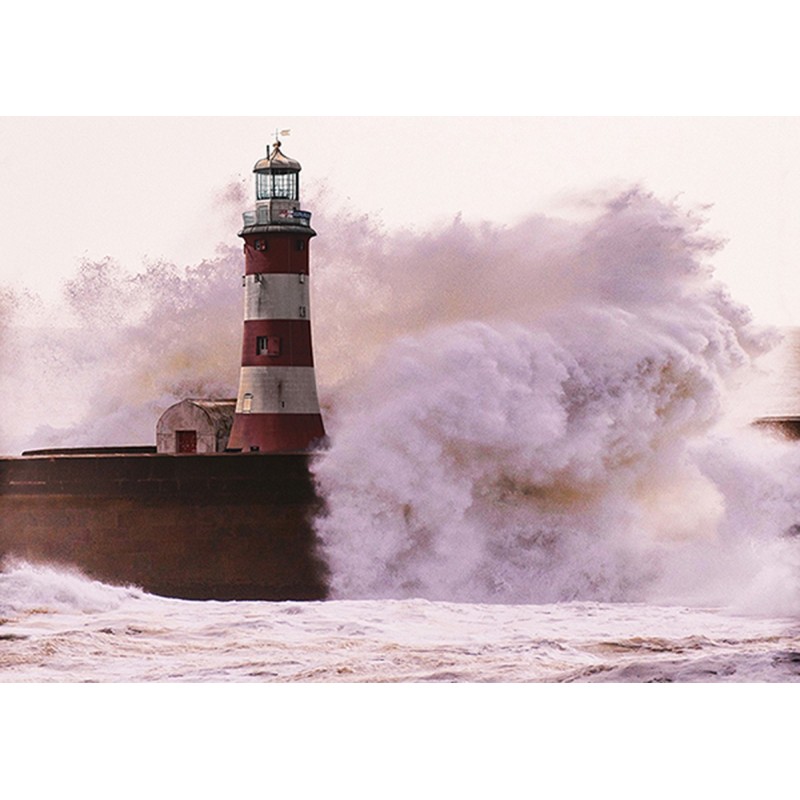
(541, 469)
(57, 626)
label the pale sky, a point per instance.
(145, 187)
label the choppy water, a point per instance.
(57, 626)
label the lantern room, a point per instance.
(277, 177)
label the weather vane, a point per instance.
(279, 133)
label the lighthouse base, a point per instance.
(275, 433)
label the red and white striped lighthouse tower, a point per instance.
(277, 409)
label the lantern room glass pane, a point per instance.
(263, 186)
(281, 186)
(285, 186)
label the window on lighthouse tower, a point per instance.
(268, 345)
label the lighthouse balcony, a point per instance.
(276, 215)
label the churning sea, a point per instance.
(58, 626)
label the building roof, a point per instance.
(217, 412)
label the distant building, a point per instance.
(195, 426)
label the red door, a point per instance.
(185, 441)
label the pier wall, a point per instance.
(215, 526)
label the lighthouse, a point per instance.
(277, 408)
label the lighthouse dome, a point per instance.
(277, 162)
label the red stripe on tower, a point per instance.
(277, 409)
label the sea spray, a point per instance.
(754, 563)
(124, 347)
(543, 445)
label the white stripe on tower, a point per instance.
(278, 390)
(281, 296)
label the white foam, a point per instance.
(35, 588)
(557, 443)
